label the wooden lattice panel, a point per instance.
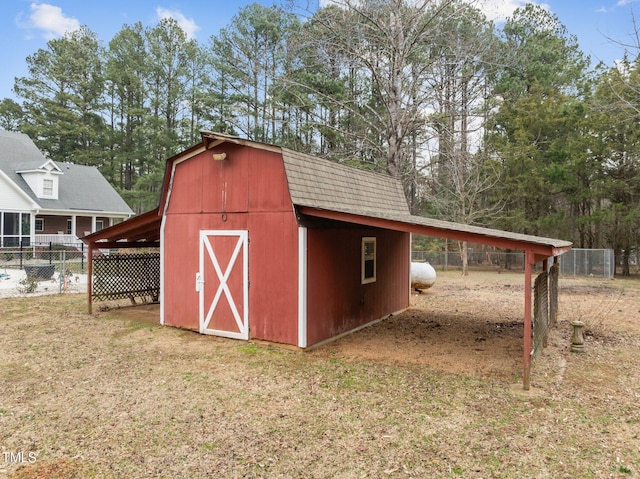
(126, 276)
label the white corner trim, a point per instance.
(302, 287)
(162, 270)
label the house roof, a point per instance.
(323, 188)
(80, 188)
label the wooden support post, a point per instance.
(528, 264)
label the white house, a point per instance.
(43, 201)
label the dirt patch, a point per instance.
(474, 325)
(428, 393)
(143, 313)
(480, 345)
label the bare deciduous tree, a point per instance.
(385, 46)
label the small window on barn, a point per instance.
(368, 260)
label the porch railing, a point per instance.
(64, 239)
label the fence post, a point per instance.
(446, 255)
(82, 257)
(63, 273)
(529, 261)
(50, 252)
(20, 254)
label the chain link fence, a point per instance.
(62, 258)
(577, 262)
(588, 262)
(43, 269)
(481, 260)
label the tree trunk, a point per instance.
(625, 263)
(464, 256)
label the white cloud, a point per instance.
(187, 24)
(50, 21)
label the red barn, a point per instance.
(261, 242)
(239, 259)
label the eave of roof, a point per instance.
(543, 247)
(140, 231)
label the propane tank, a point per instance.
(423, 276)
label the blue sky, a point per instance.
(27, 25)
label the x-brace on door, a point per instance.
(223, 283)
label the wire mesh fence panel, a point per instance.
(25, 254)
(42, 270)
(588, 262)
(553, 294)
(126, 276)
(33, 259)
(477, 260)
(541, 321)
(576, 262)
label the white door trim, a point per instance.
(206, 313)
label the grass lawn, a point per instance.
(114, 395)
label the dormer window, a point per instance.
(43, 180)
(47, 187)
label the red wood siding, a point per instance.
(247, 180)
(226, 181)
(337, 301)
(273, 272)
(186, 190)
(246, 191)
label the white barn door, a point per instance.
(223, 283)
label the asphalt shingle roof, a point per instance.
(80, 187)
(328, 185)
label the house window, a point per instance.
(368, 260)
(69, 226)
(40, 224)
(99, 225)
(47, 187)
(15, 229)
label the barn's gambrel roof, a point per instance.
(325, 184)
(326, 189)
